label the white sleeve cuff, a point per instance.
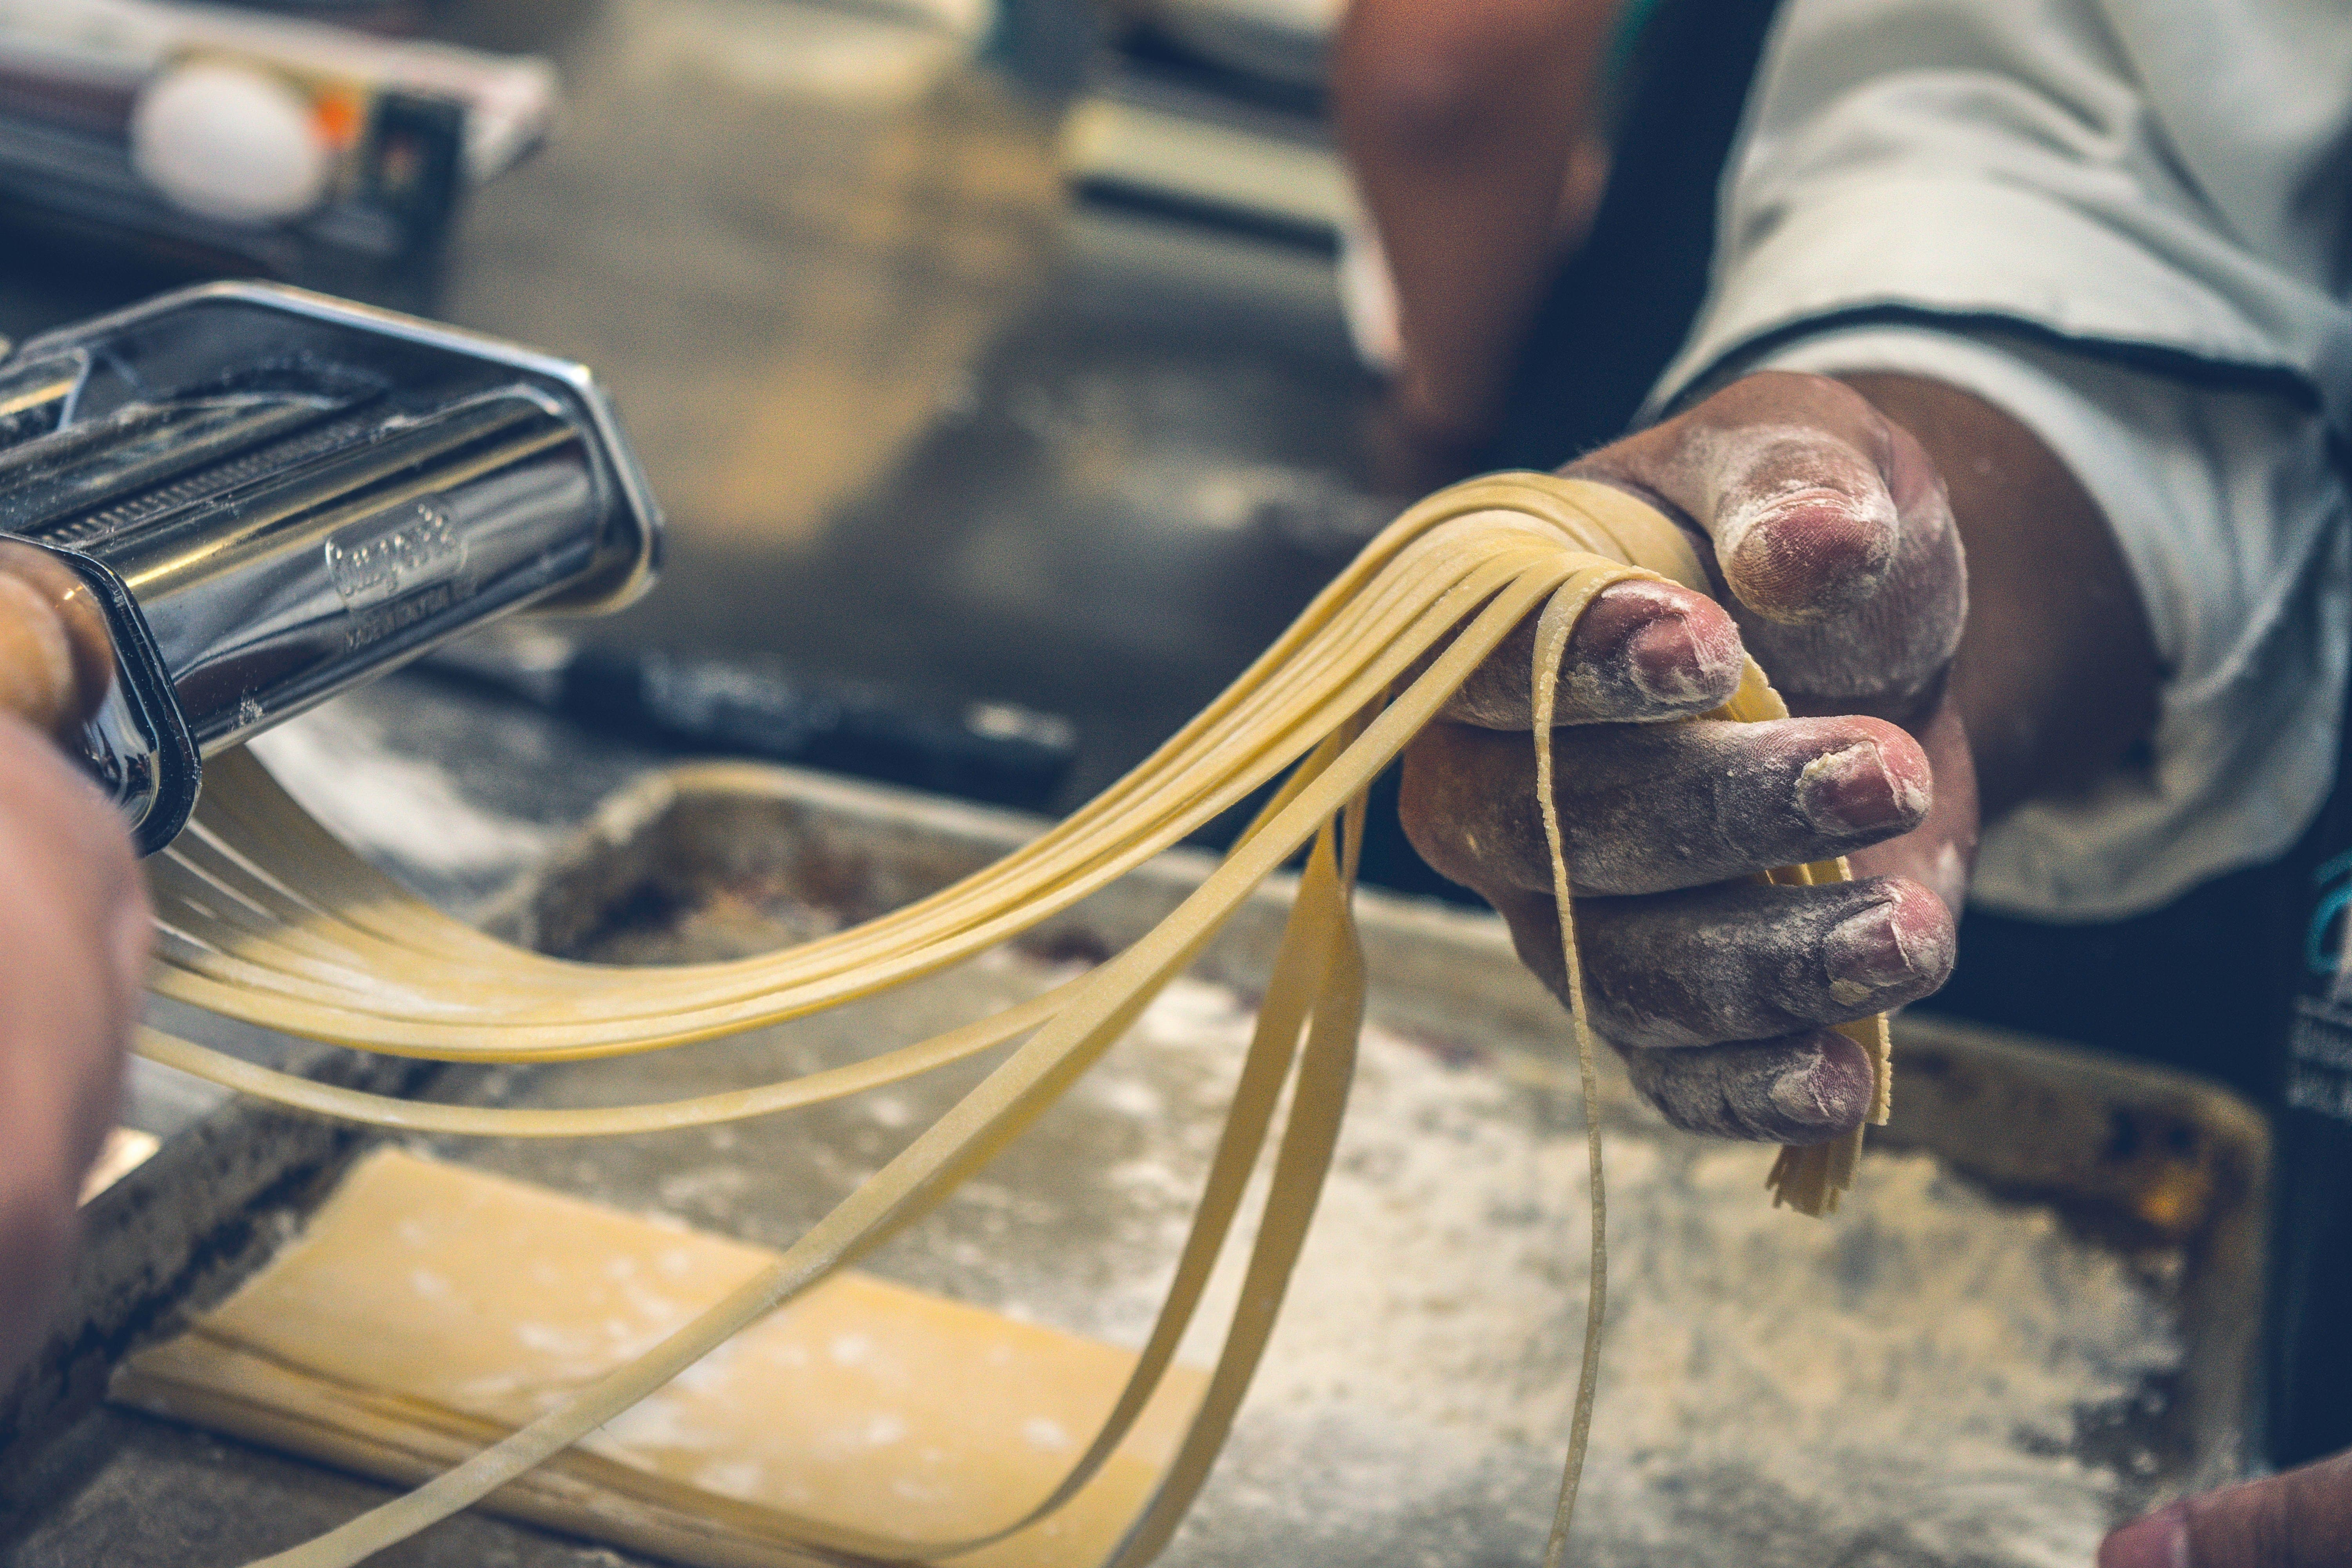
(2231, 520)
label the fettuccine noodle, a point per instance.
(265, 917)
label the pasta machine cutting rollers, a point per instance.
(226, 505)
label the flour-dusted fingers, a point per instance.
(1830, 528)
(1759, 961)
(1649, 808)
(1643, 651)
(1798, 1090)
(1831, 535)
(1839, 567)
(1698, 966)
(1742, 960)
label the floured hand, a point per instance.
(1839, 566)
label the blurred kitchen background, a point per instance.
(981, 351)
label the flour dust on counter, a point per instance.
(1905, 1386)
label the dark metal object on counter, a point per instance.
(279, 496)
(997, 752)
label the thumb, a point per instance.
(1830, 528)
(55, 657)
(1789, 475)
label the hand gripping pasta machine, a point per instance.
(236, 500)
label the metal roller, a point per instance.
(260, 497)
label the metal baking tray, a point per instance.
(2036, 1315)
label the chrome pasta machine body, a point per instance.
(272, 496)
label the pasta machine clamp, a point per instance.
(260, 497)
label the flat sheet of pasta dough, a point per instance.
(429, 1308)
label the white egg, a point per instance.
(228, 142)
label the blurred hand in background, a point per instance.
(1476, 134)
(74, 930)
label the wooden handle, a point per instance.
(56, 660)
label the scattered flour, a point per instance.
(1897, 1386)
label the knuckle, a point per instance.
(1534, 925)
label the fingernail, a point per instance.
(1779, 1091)
(1851, 791)
(2159, 1540)
(1866, 954)
(1801, 552)
(1822, 1097)
(1671, 662)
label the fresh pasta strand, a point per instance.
(1559, 618)
(265, 917)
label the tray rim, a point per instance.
(1413, 941)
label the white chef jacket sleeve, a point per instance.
(2128, 223)
(2232, 521)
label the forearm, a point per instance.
(2057, 674)
(1461, 122)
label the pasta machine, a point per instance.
(260, 497)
